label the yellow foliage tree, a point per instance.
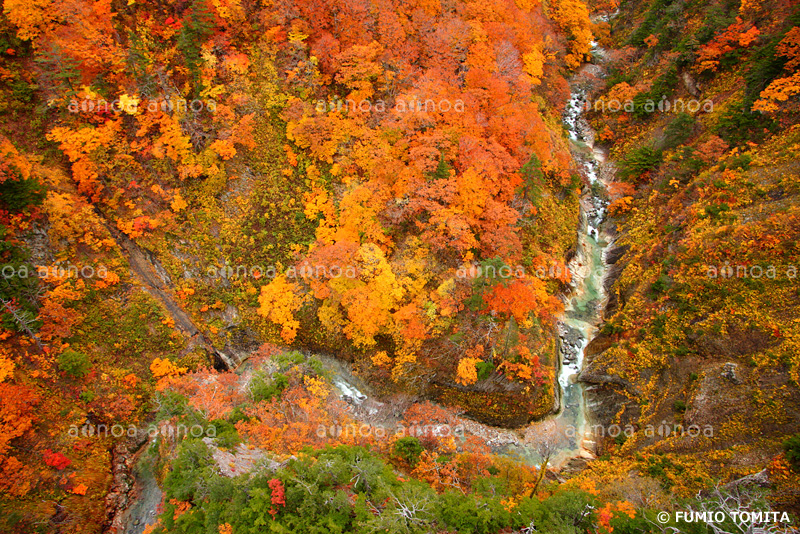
(534, 64)
(178, 203)
(369, 306)
(278, 302)
(572, 16)
(780, 90)
(381, 359)
(467, 374)
(165, 368)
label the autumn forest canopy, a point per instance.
(243, 242)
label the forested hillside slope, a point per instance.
(702, 326)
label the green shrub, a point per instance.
(487, 277)
(681, 350)
(226, 434)
(742, 161)
(74, 363)
(739, 124)
(171, 404)
(264, 388)
(639, 161)
(660, 285)
(716, 211)
(189, 471)
(17, 284)
(335, 490)
(610, 329)
(409, 449)
(442, 171)
(237, 415)
(653, 22)
(484, 369)
(646, 103)
(638, 524)
(766, 64)
(16, 195)
(471, 515)
(678, 130)
(533, 185)
(658, 466)
(197, 26)
(792, 449)
(565, 512)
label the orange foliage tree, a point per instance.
(16, 419)
(210, 392)
(521, 298)
(780, 90)
(739, 34)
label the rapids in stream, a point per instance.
(568, 428)
(583, 311)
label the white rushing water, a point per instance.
(583, 311)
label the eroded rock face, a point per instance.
(241, 344)
(615, 254)
(121, 493)
(717, 397)
(573, 467)
(37, 241)
(597, 346)
(729, 373)
(242, 459)
(690, 83)
(571, 340)
(603, 404)
(609, 402)
(737, 343)
(760, 479)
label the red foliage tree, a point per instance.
(520, 298)
(55, 459)
(278, 495)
